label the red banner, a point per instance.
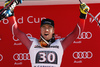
(84, 51)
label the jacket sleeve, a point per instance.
(74, 34)
(19, 34)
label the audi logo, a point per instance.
(29, 35)
(82, 55)
(1, 57)
(85, 35)
(21, 56)
(16, 39)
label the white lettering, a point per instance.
(77, 61)
(20, 20)
(43, 57)
(51, 55)
(43, 18)
(12, 6)
(36, 21)
(29, 18)
(18, 63)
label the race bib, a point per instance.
(49, 57)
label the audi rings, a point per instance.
(16, 39)
(1, 57)
(82, 55)
(21, 56)
(85, 35)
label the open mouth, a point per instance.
(46, 34)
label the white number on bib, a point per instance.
(42, 55)
(46, 57)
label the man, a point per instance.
(46, 52)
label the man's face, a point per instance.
(47, 31)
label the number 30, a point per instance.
(50, 57)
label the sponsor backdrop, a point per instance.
(84, 51)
